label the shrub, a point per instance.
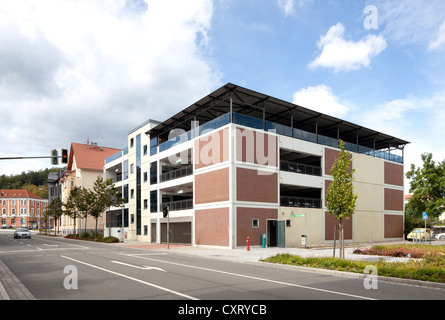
(72, 236)
(109, 239)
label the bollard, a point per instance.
(248, 243)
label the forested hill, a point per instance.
(34, 181)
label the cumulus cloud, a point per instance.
(70, 71)
(346, 55)
(440, 40)
(320, 98)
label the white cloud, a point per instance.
(288, 6)
(343, 55)
(410, 22)
(418, 120)
(95, 69)
(440, 40)
(321, 99)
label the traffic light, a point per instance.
(64, 156)
(54, 157)
(165, 211)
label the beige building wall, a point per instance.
(368, 185)
(312, 221)
(145, 186)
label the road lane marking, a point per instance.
(261, 279)
(142, 268)
(134, 279)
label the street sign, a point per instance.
(298, 215)
(424, 215)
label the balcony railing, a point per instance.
(280, 129)
(178, 205)
(300, 168)
(177, 173)
(300, 202)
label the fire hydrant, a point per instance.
(248, 243)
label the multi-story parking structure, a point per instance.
(240, 164)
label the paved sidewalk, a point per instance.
(255, 253)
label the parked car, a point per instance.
(440, 236)
(22, 233)
(419, 234)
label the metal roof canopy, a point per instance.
(258, 105)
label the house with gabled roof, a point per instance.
(85, 164)
(21, 208)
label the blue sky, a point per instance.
(96, 69)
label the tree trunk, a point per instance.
(341, 240)
(95, 235)
(335, 239)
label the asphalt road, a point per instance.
(64, 269)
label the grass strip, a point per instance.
(431, 268)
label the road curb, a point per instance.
(410, 282)
(11, 288)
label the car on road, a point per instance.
(419, 234)
(440, 236)
(22, 233)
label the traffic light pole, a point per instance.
(54, 157)
(20, 158)
(168, 232)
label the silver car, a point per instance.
(440, 236)
(22, 233)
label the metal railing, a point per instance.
(300, 202)
(178, 205)
(300, 168)
(177, 173)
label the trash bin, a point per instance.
(264, 240)
(303, 240)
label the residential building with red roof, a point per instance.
(85, 164)
(21, 208)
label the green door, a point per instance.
(280, 233)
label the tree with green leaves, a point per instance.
(55, 210)
(428, 187)
(74, 205)
(340, 198)
(105, 197)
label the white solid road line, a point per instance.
(134, 279)
(261, 279)
(142, 268)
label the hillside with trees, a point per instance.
(33, 181)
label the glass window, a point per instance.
(125, 170)
(153, 172)
(154, 201)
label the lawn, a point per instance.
(431, 266)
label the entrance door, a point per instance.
(275, 233)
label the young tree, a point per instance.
(54, 209)
(105, 197)
(428, 187)
(340, 198)
(73, 205)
